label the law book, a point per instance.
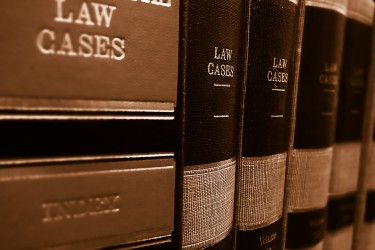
(364, 219)
(270, 79)
(310, 153)
(347, 147)
(86, 184)
(97, 56)
(87, 97)
(84, 203)
(211, 55)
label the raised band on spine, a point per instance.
(208, 203)
(261, 185)
(308, 176)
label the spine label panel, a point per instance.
(99, 51)
(319, 77)
(354, 73)
(272, 37)
(213, 81)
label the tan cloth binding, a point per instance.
(261, 190)
(208, 203)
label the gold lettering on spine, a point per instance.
(118, 46)
(329, 76)
(102, 43)
(84, 14)
(221, 69)
(52, 42)
(264, 240)
(79, 208)
(41, 42)
(102, 13)
(59, 17)
(66, 46)
(85, 49)
(275, 75)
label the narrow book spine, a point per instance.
(260, 182)
(366, 229)
(364, 222)
(309, 160)
(346, 150)
(210, 85)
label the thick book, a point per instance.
(350, 113)
(102, 56)
(84, 203)
(87, 97)
(261, 169)
(310, 154)
(208, 109)
(364, 219)
(71, 171)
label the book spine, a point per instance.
(75, 56)
(364, 223)
(346, 150)
(87, 97)
(309, 158)
(210, 86)
(96, 204)
(261, 170)
(366, 230)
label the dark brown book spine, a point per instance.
(347, 146)
(364, 222)
(209, 103)
(309, 160)
(261, 170)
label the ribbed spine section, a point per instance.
(309, 179)
(261, 185)
(343, 182)
(208, 203)
(345, 165)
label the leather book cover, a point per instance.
(87, 123)
(310, 155)
(83, 203)
(364, 219)
(347, 146)
(67, 55)
(212, 39)
(261, 170)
